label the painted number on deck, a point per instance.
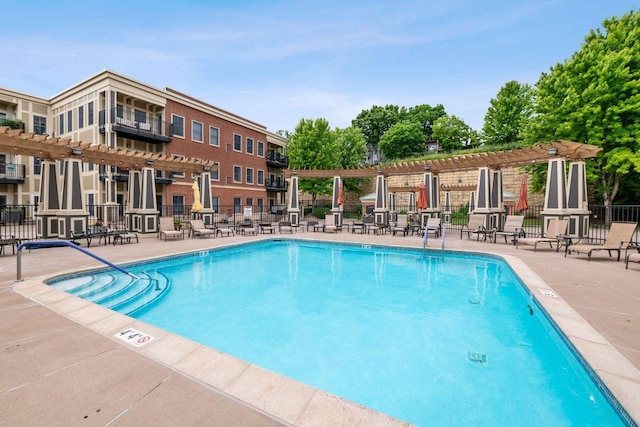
(134, 337)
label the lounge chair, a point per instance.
(167, 229)
(124, 235)
(556, 228)
(8, 241)
(619, 238)
(198, 229)
(285, 227)
(433, 226)
(222, 231)
(401, 225)
(476, 225)
(266, 227)
(633, 257)
(330, 224)
(512, 228)
(247, 226)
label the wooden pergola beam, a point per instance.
(18, 142)
(495, 160)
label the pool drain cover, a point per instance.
(477, 358)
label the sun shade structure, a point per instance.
(17, 142)
(494, 160)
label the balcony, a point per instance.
(276, 185)
(277, 160)
(12, 173)
(122, 175)
(136, 126)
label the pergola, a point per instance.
(487, 198)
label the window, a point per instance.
(260, 205)
(90, 113)
(140, 116)
(237, 142)
(39, 125)
(196, 131)
(37, 165)
(237, 174)
(69, 121)
(215, 172)
(249, 176)
(120, 111)
(260, 177)
(249, 145)
(214, 136)
(61, 124)
(178, 174)
(177, 207)
(260, 148)
(215, 204)
(81, 117)
(249, 201)
(178, 125)
(237, 204)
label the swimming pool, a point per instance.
(427, 338)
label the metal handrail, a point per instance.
(58, 244)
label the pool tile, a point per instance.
(111, 324)
(89, 314)
(169, 348)
(69, 304)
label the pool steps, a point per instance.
(118, 292)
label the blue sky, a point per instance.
(275, 62)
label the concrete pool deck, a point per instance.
(61, 363)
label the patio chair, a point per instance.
(401, 225)
(633, 257)
(246, 226)
(556, 228)
(285, 227)
(433, 226)
(8, 241)
(512, 228)
(167, 229)
(198, 229)
(619, 238)
(330, 224)
(476, 225)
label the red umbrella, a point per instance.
(522, 204)
(340, 195)
(422, 197)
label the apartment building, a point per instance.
(115, 111)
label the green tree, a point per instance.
(594, 97)
(508, 114)
(403, 139)
(312, 145)
(452, 133)
(374, 122)
(426, 115)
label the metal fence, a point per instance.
(19, 221)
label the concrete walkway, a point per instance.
(61, 364)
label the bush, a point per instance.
(321, 212)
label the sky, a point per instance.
(276, 62)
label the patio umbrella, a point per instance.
(197, 206)
(422, 197)
(340, 194)
(522, 204)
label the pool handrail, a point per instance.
(39, 244)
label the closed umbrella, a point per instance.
(422, 197)
(340, 194)
(522, 204)
(197, 206)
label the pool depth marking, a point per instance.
(134, 337)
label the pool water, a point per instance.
(429, 338)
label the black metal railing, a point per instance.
(136, 126)
(276, 185)
(277, 160)
(12, 173)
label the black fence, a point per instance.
(19, 221)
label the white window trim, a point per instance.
(253, 176)
(193, 122)
(233, 144)
(253, 146)
(263, 149)
(183, 126)
(218, 144)
(178, 174)
(234, 174)
(258, 177)
(216, 165)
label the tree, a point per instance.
(594, 97)
(375, 122)
(403, 139)
(452, 133)
(426, 115)
(313, 146)
(508, 114)
(352, 152)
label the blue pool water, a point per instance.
(429, 338)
